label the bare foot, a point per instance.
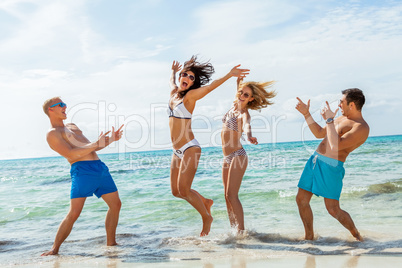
(112, 244)
(50, 252)
(206, 225)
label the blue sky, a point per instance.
(111, 61)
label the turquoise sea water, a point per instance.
(156, 227)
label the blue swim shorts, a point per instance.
(90, 177)
(323, 176)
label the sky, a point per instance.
(110, 61)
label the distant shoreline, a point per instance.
(161, 150)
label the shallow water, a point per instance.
(156, 227)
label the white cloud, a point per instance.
(312, 51)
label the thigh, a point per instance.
(331, 204)
(112, 199)
(188, 166)
(77, 204)
(225, 174)
(236, 172)
(174, 172)
(303, 195)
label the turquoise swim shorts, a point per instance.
(90, 177)
(323, 176)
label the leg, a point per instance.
(112, 216)
(225, 179)
(235, 176)
(174, 175)
(342, 216)
(188, 167)
(306, 214)
(66, 225)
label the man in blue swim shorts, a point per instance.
(324, 172)
(89, 175)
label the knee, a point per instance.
(176, 193)
(117, 205)
(333, 211)
(184, 192)
(301, 201)
(230, 197)
(73, 215)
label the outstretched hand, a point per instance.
(104, 140)
(327, 112)
(239, 73)
(176, 66)
(302, 107)
(116, 135)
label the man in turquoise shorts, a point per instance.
(89, 175)
(324, 172)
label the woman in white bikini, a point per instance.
(186, 149)
(249, 95)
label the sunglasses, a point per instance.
(61, 104)
(191, 77)
(246, 95)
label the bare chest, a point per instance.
(343, 126)
(74, 136)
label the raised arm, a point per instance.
(239, 80)
(176, 67)
(199, 93)
(318, 131)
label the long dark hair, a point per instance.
(202, 73)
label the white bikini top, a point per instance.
(180, 111)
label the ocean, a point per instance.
(159, 229)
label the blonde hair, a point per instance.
(47, 103)
(260, 94)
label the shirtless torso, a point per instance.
(73, 137)
(346, 129)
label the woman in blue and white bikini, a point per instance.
(193, 80)
(249, 95)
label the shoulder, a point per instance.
(362, 127)
(53, 133)
(192, 92)
(359, 129)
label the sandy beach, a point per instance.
(157, 230)
(241, 261)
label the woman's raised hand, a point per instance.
(240, 73)
(176, 66)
